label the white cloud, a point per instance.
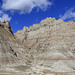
(1, 12)
(68, 14)
(4, 17)
(25, 6)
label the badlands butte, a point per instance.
(47, 48)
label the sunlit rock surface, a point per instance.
(41, 49)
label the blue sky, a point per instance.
(22, 13)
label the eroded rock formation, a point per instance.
(11, 50)
(51, 43)
(48, 45)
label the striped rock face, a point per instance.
(11, 50)
(45, 47)
(51, 43)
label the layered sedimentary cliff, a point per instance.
(49, 45)
(11, 50)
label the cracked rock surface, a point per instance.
(42, 49)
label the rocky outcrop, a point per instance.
(11, 50)
(50, 43)
(6, 26)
